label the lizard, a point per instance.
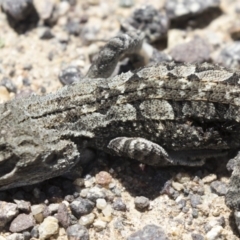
(162, 115)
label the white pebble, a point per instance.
(101, 203)
(99, 225)
(214, 233)
(107, 211)
(87, 219)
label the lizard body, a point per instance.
(165, 114)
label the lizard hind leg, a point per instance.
(140, 149)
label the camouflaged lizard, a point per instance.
(165, 114)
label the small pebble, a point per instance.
(101, 203)
(119, 205)
(69, 75)
(218, 187)
(4, 94)
(209, 178)
(103, 178)
(77, 232)
(152, 232)
(80, 207)
(107, 211)
(87, 219)
(99, 225)
(214, 233)
(177, 186)
(141, 202)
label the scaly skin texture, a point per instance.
(166, 114)
(183, 108)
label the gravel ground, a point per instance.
(115, 198)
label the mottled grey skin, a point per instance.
(167, 114)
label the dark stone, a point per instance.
(8, 84)
(195, 200)
(194, 213)
(219, 188)
(196, 13)
(19, 10)
(69, 75)
(119, 205)
(73, 28)
(73, 219)
(21, 14)
(45, 33)
(26, 235)
(55, 194)
(34, 232)
(152, 232)
(196, 236)
(77, 232)
(80, 207)
(26, 82)
(151, 21)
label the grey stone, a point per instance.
(22, 222)
(151, 21)
(34, 232)
(184, 8)
(96, 193)
(194, 213)
(23, 206)
(26, 235)
(152, 232)
(63, 215)
(8, 84)
(195, 51)
(230, 55)
(45, 33)
(119, 205)
(53, 208)
(218, 187)
(77, 232)
(73, 27)
(197, 236)
(81, 207)
(69, 75)
(195, 200)
(19, 10)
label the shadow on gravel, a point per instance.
(197, 21)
